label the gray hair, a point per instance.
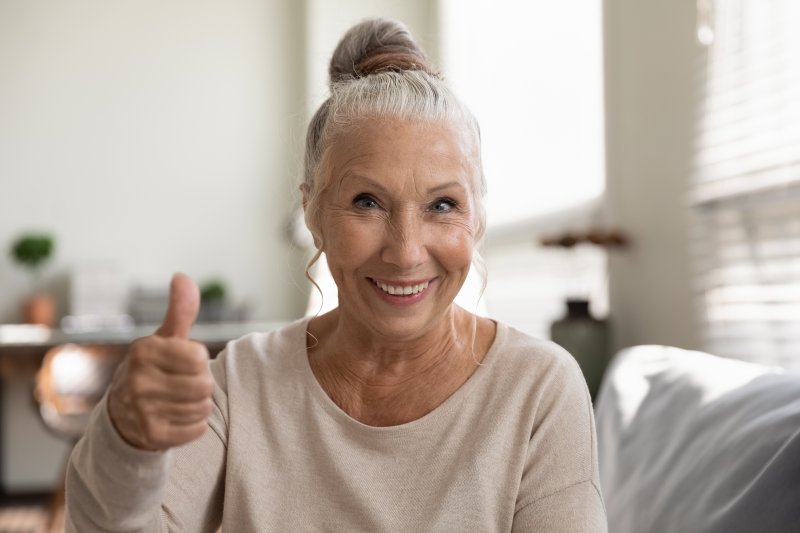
(378, 71)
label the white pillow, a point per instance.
(690, 442)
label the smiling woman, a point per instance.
(400, 216)
(396, 411)
(398, 226)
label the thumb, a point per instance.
(184, 304)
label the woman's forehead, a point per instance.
(368, 132)
(376, 147)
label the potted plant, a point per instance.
(31, 251)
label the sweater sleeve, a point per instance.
(559, 489)
(112, 486)
(575, 509)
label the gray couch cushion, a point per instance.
(690, 442)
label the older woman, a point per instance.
(397, 411)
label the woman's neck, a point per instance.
(384, 382)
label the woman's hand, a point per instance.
(160, 396)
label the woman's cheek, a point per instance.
(353, 237)
(460, 229)
(457, 241)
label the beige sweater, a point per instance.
(512, 450)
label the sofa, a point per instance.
(689, 442)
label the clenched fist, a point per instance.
(160, 396)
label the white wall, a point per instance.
(651, 64)
(159, 136)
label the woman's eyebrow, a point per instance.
(447, 185)
(369, 181)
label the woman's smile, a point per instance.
(403, 292)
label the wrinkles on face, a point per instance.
(399, 210)
(403, 214)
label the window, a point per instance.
(745, 198)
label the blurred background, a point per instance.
(642, 161)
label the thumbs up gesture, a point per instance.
(160, 396)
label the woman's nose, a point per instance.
(405, 243)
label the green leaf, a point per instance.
(32, 250)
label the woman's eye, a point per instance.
(364, 201)
(443, 205)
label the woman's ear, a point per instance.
(304, 189)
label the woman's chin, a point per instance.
(410, 323)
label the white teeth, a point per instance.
(402, 291)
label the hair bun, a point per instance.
(376, 45)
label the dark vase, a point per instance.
(586, 338)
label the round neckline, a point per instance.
(452, 401)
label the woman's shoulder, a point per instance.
(541, 361)
(522, 348)
(276, 348)
(283, 335)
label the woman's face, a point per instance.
(398, 223)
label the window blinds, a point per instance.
(745, 195)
